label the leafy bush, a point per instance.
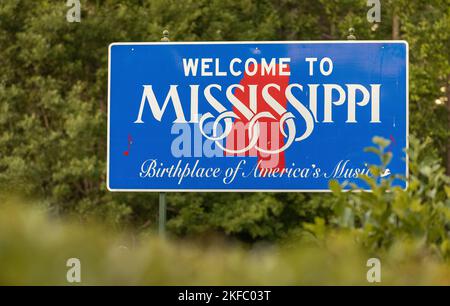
(387, 214)
(53, 94)
(34, 249)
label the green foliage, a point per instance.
(53, 79)
(248, 216)
(35, 249)
(387, 214)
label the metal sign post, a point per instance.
(162, 215)
(162, 195)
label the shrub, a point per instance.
(387, 214)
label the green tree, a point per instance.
(53, 86)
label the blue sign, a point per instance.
(254, 116)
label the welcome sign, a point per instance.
(253, 116)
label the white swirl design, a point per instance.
(254, 131)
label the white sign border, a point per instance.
(252, 42)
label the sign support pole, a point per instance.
(162, 215)
(162, 195)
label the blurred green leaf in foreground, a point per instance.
(34, 249)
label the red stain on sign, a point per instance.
(130, 141)
(393, 143)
